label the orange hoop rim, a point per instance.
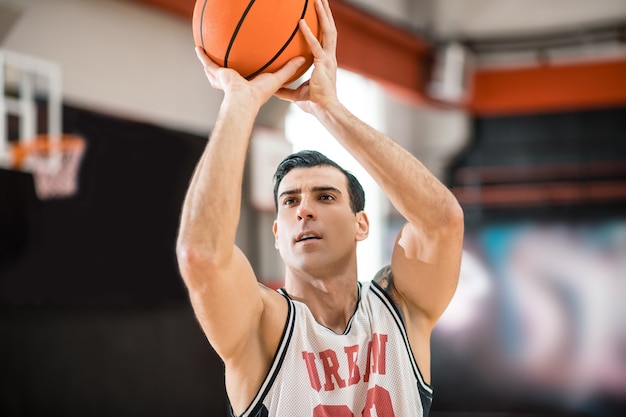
(40, 144)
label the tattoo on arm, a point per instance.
(384, 278)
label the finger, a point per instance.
(207, 62)
(210, 67)
(286, 94)
(312, 41)
(327, 25)
(328, 14)
(289, 69)
(292, 95)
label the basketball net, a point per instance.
(53, 158)
(54, 163)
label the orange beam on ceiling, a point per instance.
(371, 47)
(182, 8)
(552, 87)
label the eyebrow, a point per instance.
(314, 189)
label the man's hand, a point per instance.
(321, 90)
(258, 90)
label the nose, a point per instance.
(305, 211)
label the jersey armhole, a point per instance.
(275, 365)
(381, 285)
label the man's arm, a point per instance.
(213, 268)
(427, 254)
(231, 307)
(426, 257)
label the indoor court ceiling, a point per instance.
(492, 33)
(481, 20)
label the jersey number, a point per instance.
(377, 404)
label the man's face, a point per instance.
(315, 229)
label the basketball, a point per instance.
(253, 37)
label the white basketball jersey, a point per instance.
(369, 370)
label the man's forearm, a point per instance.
(212, 205)
(413, 190)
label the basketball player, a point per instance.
(325, 345)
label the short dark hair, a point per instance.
(310, 159)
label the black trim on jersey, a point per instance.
(358, 303)
(398, 318)
(256, 406)
(349, 325)
(425, 390)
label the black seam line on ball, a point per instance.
(239, 24)
(202, 23)
(275, 57)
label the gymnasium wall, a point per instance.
(119, 57)
(537, 326)
(94, 317)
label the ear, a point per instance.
(275, 231)
(362, 226)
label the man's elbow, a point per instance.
(456, 217)
(188, 261)
(195, 263)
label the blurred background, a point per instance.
(519, 106)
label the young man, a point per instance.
(325, 345)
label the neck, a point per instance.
(332, 301)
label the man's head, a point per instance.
(319, 215)
(310, 159)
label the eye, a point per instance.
(289, 201)
(327, 197)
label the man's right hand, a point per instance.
(259, 89)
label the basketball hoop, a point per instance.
(54, 161)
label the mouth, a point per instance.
(303, 237)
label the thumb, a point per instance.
(290, 68)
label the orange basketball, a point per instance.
(254, 36)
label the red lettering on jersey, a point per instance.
(378, 403)
(332, 411)
(314, 377)
(331, 369)
(376, 364)
(376, 356)
(354, 374)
